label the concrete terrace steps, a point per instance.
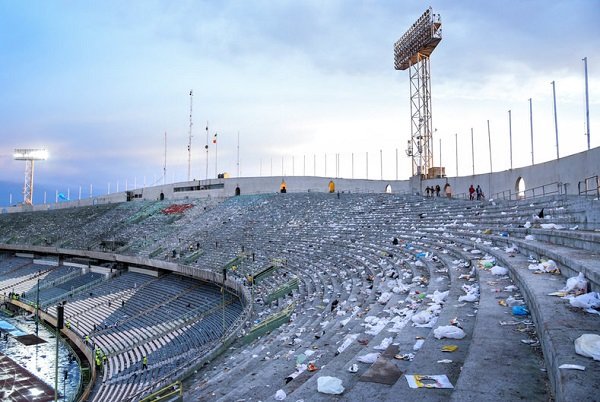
(558, 326)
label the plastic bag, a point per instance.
(439, 297)
(330, 385)
(448, 331)
(280, 395)
(497, 270)
(576, 283)
(588, 345)
(384, 344)
(520, 310)
(586, 301)
(422, 317)
(368, 358)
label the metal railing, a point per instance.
(539, 191)
(589, 186)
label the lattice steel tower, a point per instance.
(29, 156)
(412, 52)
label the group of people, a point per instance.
(476, 192)
(434, 191)
(430, 191)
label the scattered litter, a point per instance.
(588, 345)
(497, 270)
(559, 294)
(329, 385)
(510, 288)
(587, 301)
(384, 344)
(353, 368)
(449, 348)
(551, 226)
(406, 356)
(428, 381)
(439, 297)
(311, 367)
(576, 283)
(301, 358)
(512, 249)
(571, 367)
(448, 331)
(280, 395)
(347, 342)
(529, 237)
(418, 344)
(445, 361)
(529, 341)
(384, 298)
(520, 310)
(548, 266)
(369, 357)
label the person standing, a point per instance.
(478, 192)
(471, 192)
(437, 190)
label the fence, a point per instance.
(589, 186)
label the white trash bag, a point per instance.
(330, 385)
(588, 345)
(280, 395)
(448, 331)
(369, 358)
(576, 283)
(587, 301)
(497, 270)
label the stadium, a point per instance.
(311, 288)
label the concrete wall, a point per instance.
(567, 171)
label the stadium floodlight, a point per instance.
(29, 156)
(412, 52)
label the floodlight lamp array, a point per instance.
(30, 154)
(422, 36)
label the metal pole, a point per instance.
(531, 127)
(472, 151)
(293, 165)
(238, 155)
(440, 156)
(367, 165)
(165, 160)
(216, 141)
(456, 143)
(325, 164)
(381, 163)
(260, 168)
(37, 306)
(304, 166)
(396, 163)
(490, 145)
(189, 170)
(271, 166)
(314, 164)
(206, 146)
(510, 137)
(555, 118)
(587, 103)
(56, 366)
(353, 165)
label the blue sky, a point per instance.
(99, 83)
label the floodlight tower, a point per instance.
(29, 156)
(412, 52)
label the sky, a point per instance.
(100, 83)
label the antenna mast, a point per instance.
(189, 175)
(165, 162)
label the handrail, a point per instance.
(533, 192)
(589, 190)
